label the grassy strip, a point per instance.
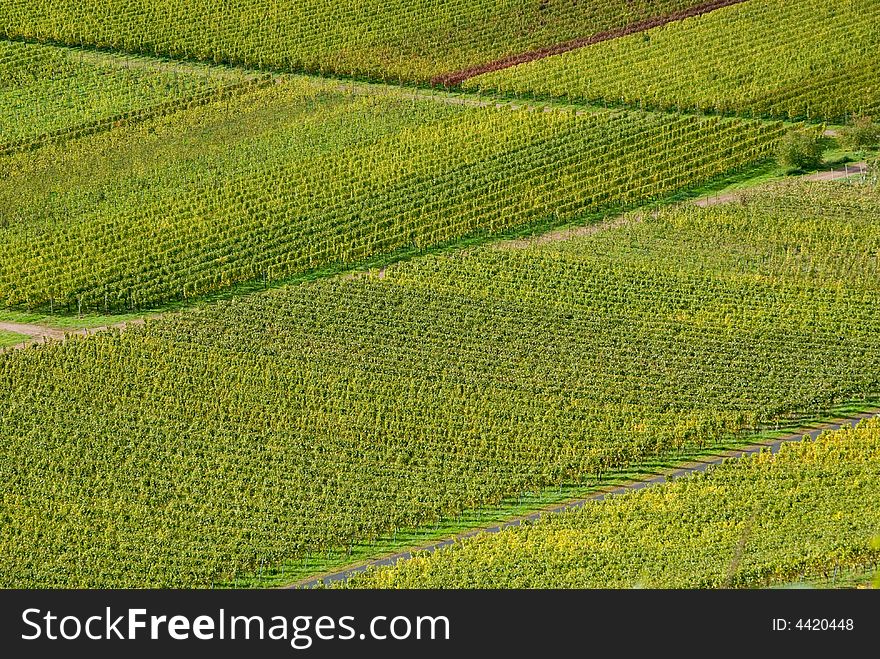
(67, 321)
(11, 338)
(839, 577)
(512, 508)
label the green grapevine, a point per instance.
(308, 418)
(303, 177)
(53, 94)
(765, 58)
(732, 527)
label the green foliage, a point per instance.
(875, 545)
(873, 169)
(800, 149)
(10, 338)
(47, 91)
(409, 39)
(302, 177)
(304, 419)
(861, 133)
(731, 527)
(809, 59)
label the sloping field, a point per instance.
(809, 59)
(731, 527)
(49, 93)
(411, 39)
(303, 177)
(220, 441)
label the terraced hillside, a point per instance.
(732, 527)
(248, 434)
(766, 58)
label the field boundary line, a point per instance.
(455, 78)
(684, 469)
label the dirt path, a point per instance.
(41, 333)
(846, 171)
(850, 169)
(568, 233)
(683, 470)
(457, 77)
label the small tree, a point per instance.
(861, 133)
(800, 148)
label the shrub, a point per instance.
(860, 134)
(800, 149)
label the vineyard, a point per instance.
(226, 439)
(287, 287)
(56, 94)
(733, 527)
(763, 58)
(398, 40)
(302, 177)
